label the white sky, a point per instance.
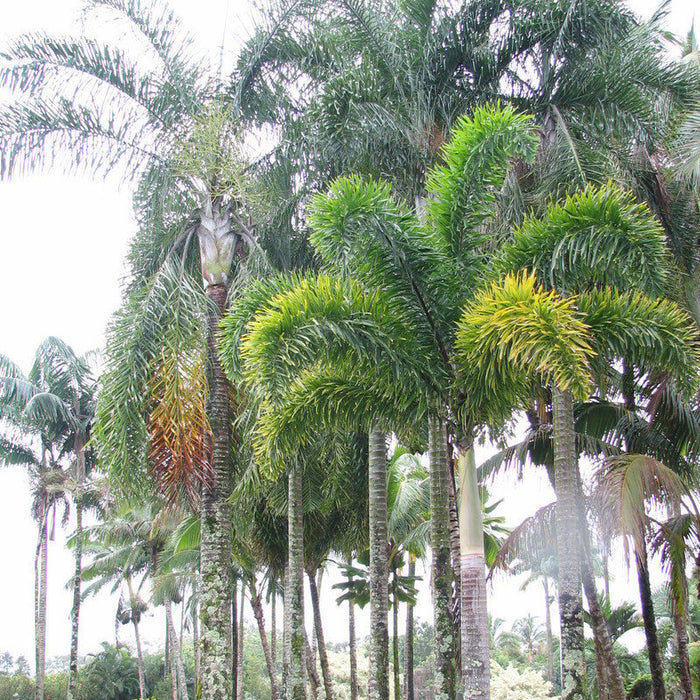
(62, 244)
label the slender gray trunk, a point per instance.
(241, 634)
(40, 574)
(135, 606)
(177, 668)
(353, 650)
(378, 569)
(311, 670)
(295, 683)
(548, 628)
(234, 636)
(273, 627)
(681, 628)
(195, 637)
(610, 682)
(442, 573)
(318, 626)
(215, 547)
(408, 647)
(395, 636)
(75, 608)
(655, 663)
(570, 599)
(256, 604)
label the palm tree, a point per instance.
(85, 105)
(558, 345)
(47, 417)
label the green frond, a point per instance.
(653, 334)
(464, 190)
(256, 298)
(348, 395)
(599, 236)
(513, 332)
(329, 319)
(360, 230)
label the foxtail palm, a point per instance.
(515, 332)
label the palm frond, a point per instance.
(598, 237)
(514, 331)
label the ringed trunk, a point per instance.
(408, 647)
(378, 569)
(295, 683)
(655, 664)
(75, 608)
(256, 604)
(570, 599)
(474, 625)
(442, 573)
(318, 626)
(40, 574)
(215, 551)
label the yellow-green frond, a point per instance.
(514, 332)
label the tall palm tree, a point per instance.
(46, 420)
(163, 123)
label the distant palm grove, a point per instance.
(463, 221)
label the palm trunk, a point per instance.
(353, 651)
(176, 666)
(241, 633)
(256, 604)
(234, 636)
(40, 574)
(195, 638)
(442, 575)
(134, 605)
(75, 609)
(475, 624)
(548, 628)
(318, 626)
(570, 599)
(601, 670)
(408, 646)
(395, 636)
(681, 628)
(169, 629)
(378, 569)
(311, 670)
(273, 628)
(655, 664)
(456, 562)
(610, 682)
(215, 549)
(295, 683)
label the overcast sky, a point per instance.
(63, 242)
